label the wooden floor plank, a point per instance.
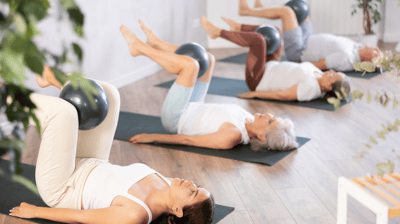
(252, 186)
(305, 206)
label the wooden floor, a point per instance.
(301, 188)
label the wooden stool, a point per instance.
(384, 205)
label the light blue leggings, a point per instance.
(176, 101)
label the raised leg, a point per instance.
(59, 131)
(285, 13)
(94, 143)
(97, 142)
(186, 67)
(255, 65)
(154, 41)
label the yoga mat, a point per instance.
(233, 87)
(12, 194)
(130, 124)
(241, 59)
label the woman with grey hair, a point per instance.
(193, 122)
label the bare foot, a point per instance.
(243, 8)
(234, 26)
(211, 30)
(133, 41)
(258, 4)
(47, 78)
(151, 37)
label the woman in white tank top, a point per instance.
(74, 177)
(192, 122)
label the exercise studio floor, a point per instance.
(301, 188)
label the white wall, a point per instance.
(106, 54)
(392, 21)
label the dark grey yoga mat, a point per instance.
(12, 194)
(130, 124)
(241, 59)
(233, 87)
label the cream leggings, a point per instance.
(66, 154)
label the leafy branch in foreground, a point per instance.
(18, 52)
(387, 62)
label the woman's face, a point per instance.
(265, 122)
(184, 193)
(330, 77)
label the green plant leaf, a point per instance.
(35, 8)
(78, 81)
(60, 76)
(12, 66)
(78, 51)
(334, 101)
(345, 95)
(380, 172)
(68, 4)
(381, 135)
(377, 97)
(369, 98)
(357, 94)
(385, 103)
(76, 16)
(368, 145)
(32, 28)
(357, 67)
(20, 24)
(367, 66)
(372, 140)
(390, 166)
(386, 66)
(78, 30)
(34, 64)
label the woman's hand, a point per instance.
(246, 95)
(142, 138)
(24, 210)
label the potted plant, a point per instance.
(371, 16)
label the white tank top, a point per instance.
(107, 181)
(207, 118)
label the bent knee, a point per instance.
(191, 64)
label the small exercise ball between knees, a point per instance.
(300, 8)
(271, 36)
(197, 52)
(88, 116)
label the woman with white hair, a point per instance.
(193, 122)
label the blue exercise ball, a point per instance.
(300, 8)
(272, 37)
(197, 52)
(88, 116)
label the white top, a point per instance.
(340, 53)
(207, 118)
(280, 76)
(107, 181)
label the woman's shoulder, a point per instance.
(132, 211)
